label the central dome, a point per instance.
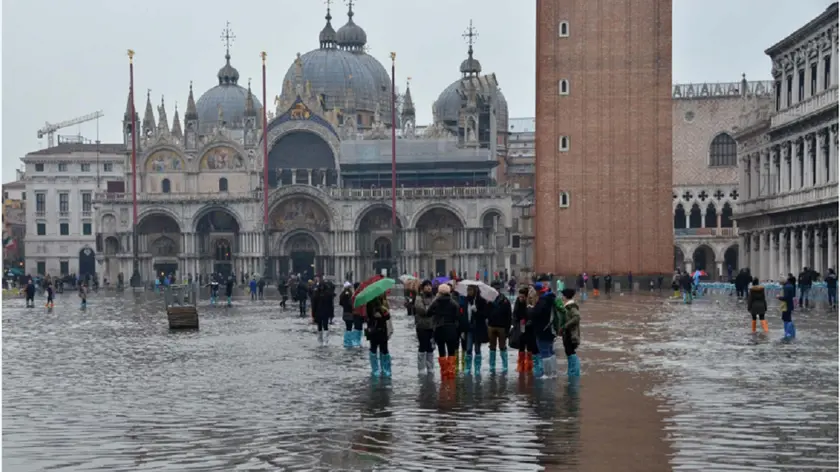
(228, 95)
(340, 70)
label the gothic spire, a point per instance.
(163, 123)
(192, 113)
(408, 103)
(249, 102)
(149, 116)
(127, 115)
(327, 38)
(176, 124)
(470, 67)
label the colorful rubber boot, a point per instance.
(574, 365)
(468, 364)
(492, 361)
(374, 364)
(421, 363)
(385, 361)
(458, 361)
(477, 367)
(753, 326)
(228, 301)
(529, 362)
(790, 330)
(452, 362)
(520, 362)
(504, 356)
(430, 363)
(348, 339)
(212, 300)
(764, 326)
(444, 366)
(538, 366)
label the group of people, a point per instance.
(49, 289)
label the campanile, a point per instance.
(603, 137)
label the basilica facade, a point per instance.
(199, 181)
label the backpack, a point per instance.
(558, 312)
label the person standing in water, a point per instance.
(831, 288)
(83, 296)
(757, 305)
(345, 299)
(787, 297)
(570, 331)
(322, 302)
(424, 324)
(528, 349)
(499, 317)
(229, 290)
(475, 309)
(214, 290)
(542, 314)
(445, 313)
(377, 320)
(30, 294)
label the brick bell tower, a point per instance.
(603, 137)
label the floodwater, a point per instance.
(664, 387)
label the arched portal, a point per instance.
(440, 236)
(295, 215)
(159, 235)
(301, 157)
(679, 217)
(111, 248)
(711, 216)
(679, 258)
(217, 232)
(87, 263)
(726, 216)
(374, 236)
(730, 260)
(303, 250)
(704, 259)
(695, 218)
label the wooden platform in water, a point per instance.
(182, 317)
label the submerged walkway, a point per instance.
(664, 387)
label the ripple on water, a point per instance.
(110, 388)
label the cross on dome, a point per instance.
(470, 34)
(228, 37)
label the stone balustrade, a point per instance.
(825, 99)
(111, 197)
(810, 196)
(706, 232)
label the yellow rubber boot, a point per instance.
(753, 326)
(764, 326)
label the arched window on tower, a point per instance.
(723, 151)
(165, 186)
(223, 185)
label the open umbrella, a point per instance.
(701, 273)
(487, 292)
(372, 291)
(363, 285)
(405, 278)
(441, 280)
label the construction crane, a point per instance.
(49, 129)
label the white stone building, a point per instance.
(787, 152)
(61, 183)
(199, 187)
(705, 171)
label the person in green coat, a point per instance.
(570, 325)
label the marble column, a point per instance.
(772, 256)
(784, 163)
(743, 258)
(797, 153)
(294, 176)
(811, 153)
(818, 250)
(309, 177)
(803, 244)
(793, 257)
(831, 234)
(766, 169)
(756, 176)
(822, 155)
(832, 150)
(783, 259)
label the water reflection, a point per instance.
(111, 388)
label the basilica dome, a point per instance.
(229, 95)
(448, 106)
(340, 70)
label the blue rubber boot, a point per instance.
(348, 339)
(503, 355)
(492, 361)
(477, 370)
(374, 364)
(468, 364)
(228, 301)
(549, 365)
(790, 330)
(538, 366)
(385, 360)
(357, 338)
(574, 366)
(212, 300)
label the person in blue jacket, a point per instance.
(541, 314)
(787, 296)
(252, 285)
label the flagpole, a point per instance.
(394, 244)
(266, 270)
(135, 270)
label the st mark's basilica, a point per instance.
(199, 182)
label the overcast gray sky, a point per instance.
(63, 59)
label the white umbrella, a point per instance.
(405, 278)
(487, 292)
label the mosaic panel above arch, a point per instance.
(163, 161)
(222, 158)
(299, 213)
